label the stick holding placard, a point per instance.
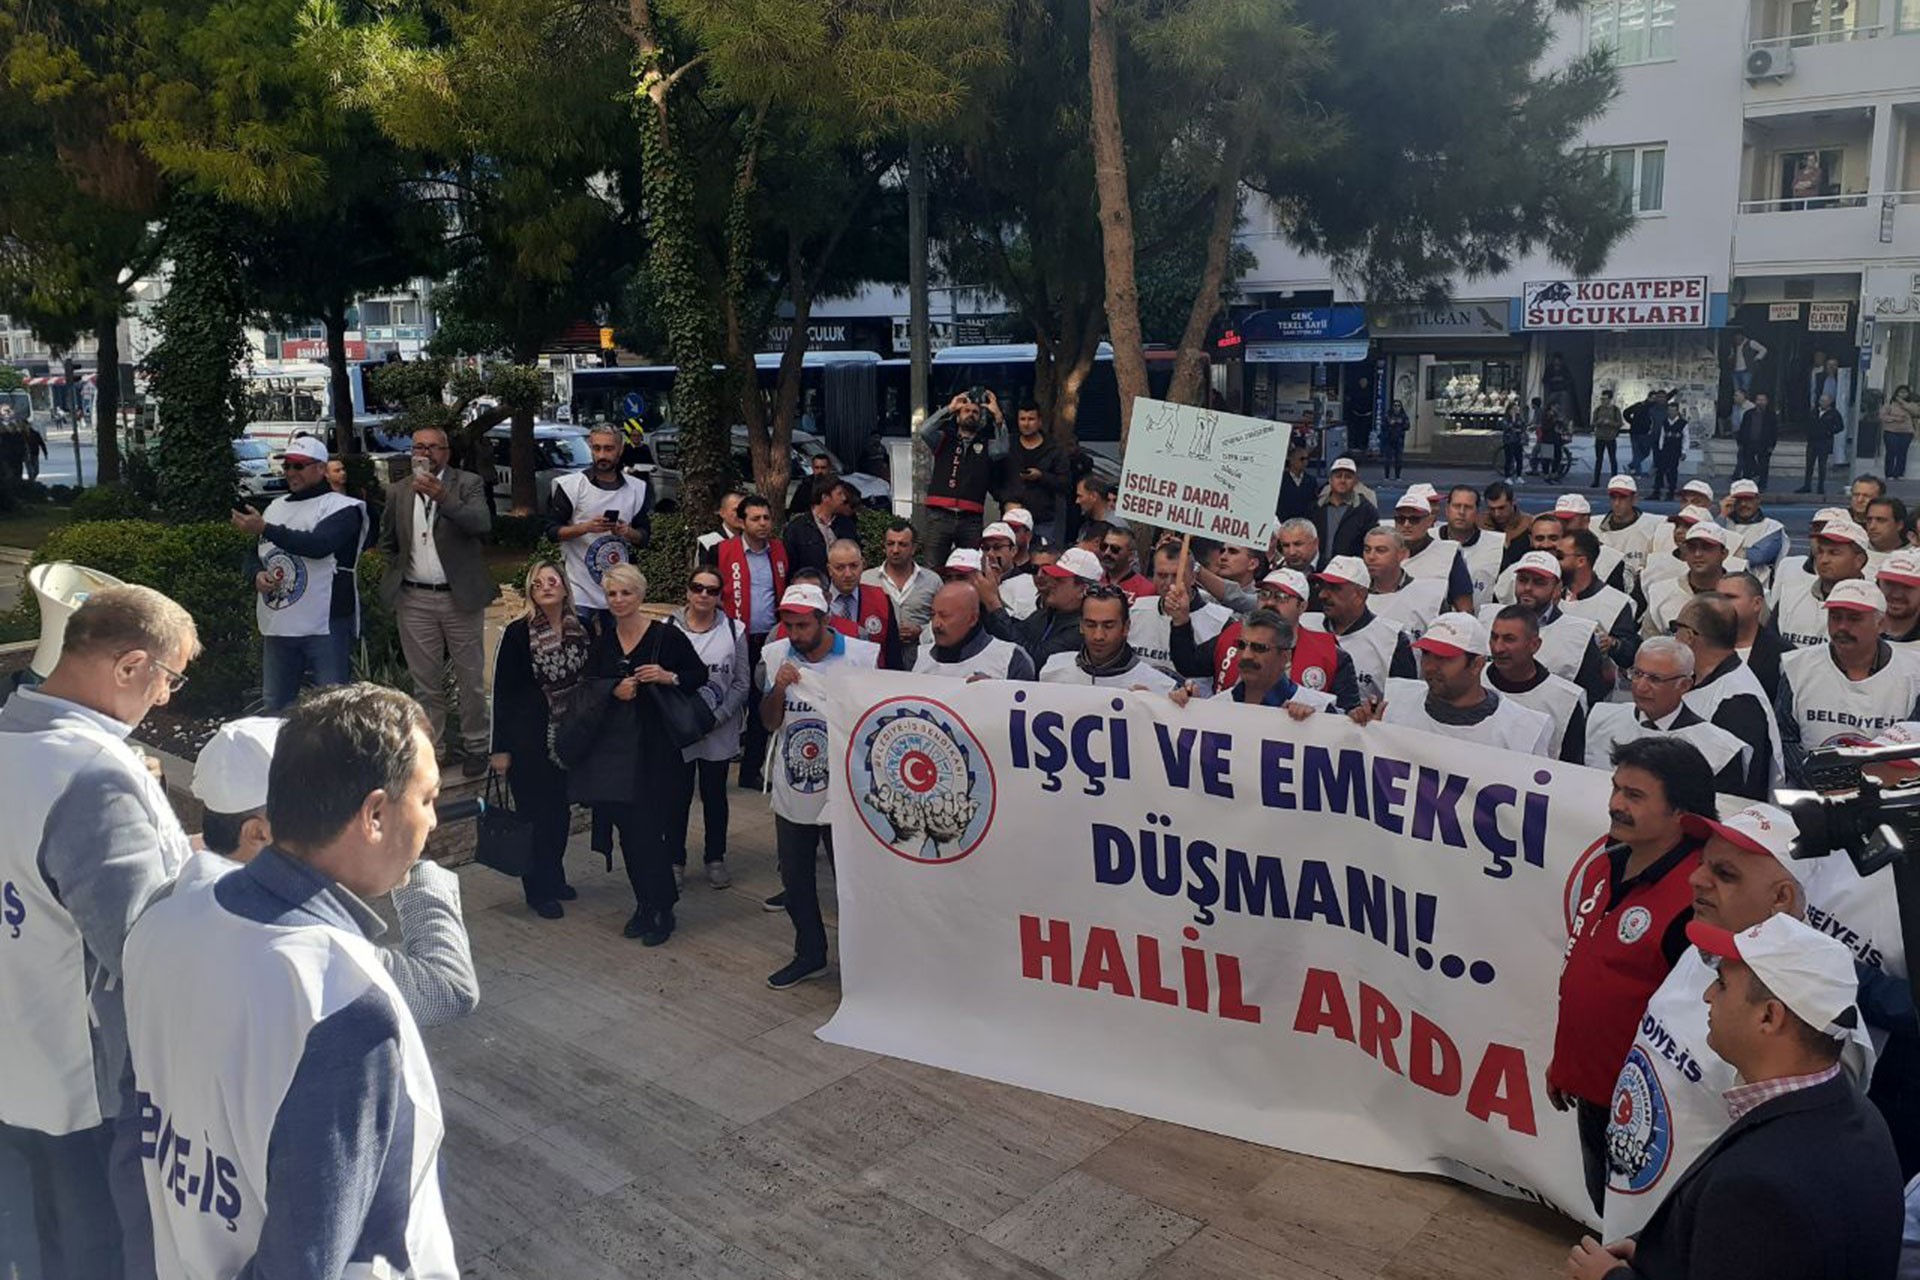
(1202, 472)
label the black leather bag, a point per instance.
(579, 726)
(503, 839)
(686, 714)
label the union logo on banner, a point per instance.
(922, 782)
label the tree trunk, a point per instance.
(786, 391)
(339, 377)
(1190, 364)
(106, 400)
(524, 458)
(1116, 213)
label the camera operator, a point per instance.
(968, 442)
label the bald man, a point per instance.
(961, 648)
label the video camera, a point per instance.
(1875, 821)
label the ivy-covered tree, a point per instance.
(193, 372)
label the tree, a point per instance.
(193, 371)
(1287, 97)
(81, 223)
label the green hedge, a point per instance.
(202, 566)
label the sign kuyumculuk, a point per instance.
(1342, 941)
(1646, 302)
(1215, 475)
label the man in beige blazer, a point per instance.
(433, 531)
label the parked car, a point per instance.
(560, 449)
(874, 490)
(259, 477)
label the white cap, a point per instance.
(1341, 464)
(1708, 531)
(312, 448)
(1018, 516)
(1700, 487)
(1291, 581)
(1425, 490)
(1845, 530)
(1811, 973)
(1412, 500)
(1351, 570)
(1758, 828)
(1743, 489)
(1623, 483)
(962, 560)
(1541, 562)
(230, 773)
(1076, 562)
(1826, 514)
(803, 597)
(1856, 594)
(999, 529)
(1688, 515)
(1902, 566)
(1572, 504)
(1453, 634)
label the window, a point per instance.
(1635, 30)
(375, 315)
(1641, 175)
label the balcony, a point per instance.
(1832, 48)
(1828, 233)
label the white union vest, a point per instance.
(1615, 722)
(1556, 698)
(1414, 606)
(1511, 727)
(993, 661)
(1483, 557)
(46, 1049)
(1833, 710)
(1371, 648)
(589, 556)
(1151, 634)
(299, 601)
(799, 764)
(218, 1013)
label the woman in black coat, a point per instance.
(540, 660)
(633, 764)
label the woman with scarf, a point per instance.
(540, 658)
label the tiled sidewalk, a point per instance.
(614, 1111)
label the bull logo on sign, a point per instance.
(1558, 291)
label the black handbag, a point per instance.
(503, 839)
(579, 728)
(687, 716)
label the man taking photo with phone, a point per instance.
(598, 516)
(967, 451)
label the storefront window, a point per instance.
(1635, 30)
(1466, 390)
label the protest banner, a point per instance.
(1215, 475)
(1339, 940)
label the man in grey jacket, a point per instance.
(432, 530)
(88, 840)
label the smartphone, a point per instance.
(422, 467)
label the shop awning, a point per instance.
(1337, 351)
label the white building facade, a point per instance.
(1770, 151)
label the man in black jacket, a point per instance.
(1759, 432)
(1055, 626)
(1826, 425)
(1039, 474)
(1804, 1185)
(1344, 518)
(1297, 488)
(829, 518)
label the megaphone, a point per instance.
(61, 587)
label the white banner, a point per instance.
(1339, 940)
(1215, 475)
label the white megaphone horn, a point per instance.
(61, 587)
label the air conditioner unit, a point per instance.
(1769, 62)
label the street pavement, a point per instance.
(58, 466)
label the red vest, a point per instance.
(1614, 965)
(736, 585)
(1315, 656)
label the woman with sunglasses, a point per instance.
(722, 645)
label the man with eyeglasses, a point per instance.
(1660, 680)
(1431, 557)
(1105, 658)
(1849, 690)
(433, 530)
(89, 838)
(1318, 661)
(302, 569)
(1263, 678)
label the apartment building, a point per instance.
(1770, 155)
